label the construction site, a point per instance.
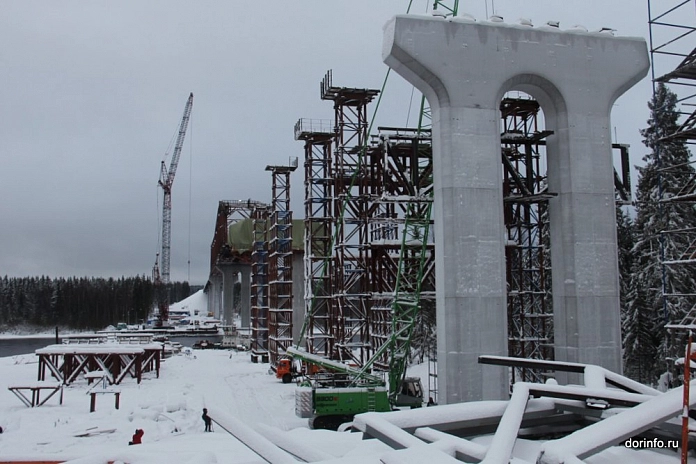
(487, 231)
(495, 269)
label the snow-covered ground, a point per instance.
(169, 410)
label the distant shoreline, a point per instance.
(9, 335)
(6, 336)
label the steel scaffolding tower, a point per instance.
(350, 323)
(528, 273)
(280, 263)
(399, 221)
(318, 136)
(673, 56)
(527, 252)
(259, 285)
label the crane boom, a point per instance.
(166, 181)
(161, 274)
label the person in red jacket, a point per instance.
(137, 437)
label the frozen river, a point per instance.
(23, 345)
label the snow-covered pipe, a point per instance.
(375, 425)
(306, 453)
(417, 456)
(253, 440)
(611, 377)
(505, 436)
(594, 377)
(467, 450)
(609, 394)
(616, 429)
(458, 415)
(407, 448)
(628, 384)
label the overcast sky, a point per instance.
(93, 93)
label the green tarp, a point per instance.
(240, 235)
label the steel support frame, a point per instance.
(672, 27)
(259, 285)
(403, 190)
(530, 314)
(280, 264)
(349, 325)
(319, 227)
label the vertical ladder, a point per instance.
(371, 400)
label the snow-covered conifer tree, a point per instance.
(657, 278)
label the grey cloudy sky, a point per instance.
(93, 92)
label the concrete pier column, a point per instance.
(229, 278)
(464, 68)
(245, 297)
(215, 294)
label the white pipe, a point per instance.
(594, 377)
(253, 440)
(294, 447)
(389, 433)
(464, 449)
(615, 429)
(500, 449)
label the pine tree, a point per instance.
(625, 241)
(665, 172)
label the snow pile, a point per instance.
(194, 304)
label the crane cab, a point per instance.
(284, 370)
(287, 369)
(410, 394)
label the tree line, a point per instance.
(656, 259)
(79, 302)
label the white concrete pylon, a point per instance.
(464, 69)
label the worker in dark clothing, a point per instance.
(137, 437)
(208, 421)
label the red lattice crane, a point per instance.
(160, 274)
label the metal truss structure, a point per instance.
(525, 197)
(259, 284)
(673, 56)
(318, 137)
(351, 183)
(527, 252)
(280, 263)
(402, 251)
(358, 198)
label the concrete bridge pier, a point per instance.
(230, 276)
(214, 293)
(464, 68)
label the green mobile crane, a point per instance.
(334, 396)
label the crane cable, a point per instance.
(188, 258)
